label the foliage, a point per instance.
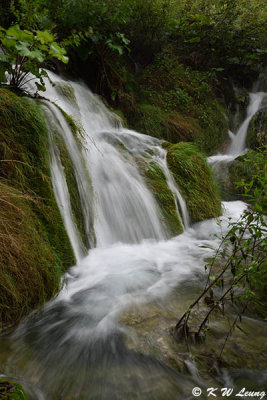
(257, 130)
(241, 252)
(222, 35)
(23, 52)
(177, 103)
(195, 181)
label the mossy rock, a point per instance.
(257, 130)
(179, 128)
(75, 199)
(34, 246)
(195, 180)
(156, 182)
(65, 89)
(10, 390)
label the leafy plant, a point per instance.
(23, 52)
(242, 252)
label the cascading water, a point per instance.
(238, 144)
(220, 162)
(76, 348)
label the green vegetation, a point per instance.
(176, 103)
(156, 182)
(242, 253)
(194, 179)
(257, 131)
(24, 52)
(35, 249)
(11, 391)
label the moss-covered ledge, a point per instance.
(156, 182)
(195, 181)
(34, 246)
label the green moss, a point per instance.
(156, 182)
(66, 90)
(195, 180)
(257, 131)
(211, 117)
(73, 189)
(122, 117)
(34, 246)
(76, 129)
(10, 390)
(150, 120)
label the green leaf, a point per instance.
(40, 87)
(22, 35)
(9, 43)
(58, 52)
(44, 37)
(22, 49)
(37, 55)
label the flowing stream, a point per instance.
(77, 347)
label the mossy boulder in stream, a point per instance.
(257, 130)
(156, 181)
(34, 246)
(10, 390)
(195, 181)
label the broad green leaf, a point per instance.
(44, 37)
(9, 43)
(58, 52)
(22, 49)
(37, 55)
(19, 34)
(65, 59)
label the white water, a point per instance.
(75, 348)
(238, 144)
(120, 208)
(238, 140)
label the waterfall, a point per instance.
(238, 144)
(219, 162)
(77, 347)
(116, 204)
